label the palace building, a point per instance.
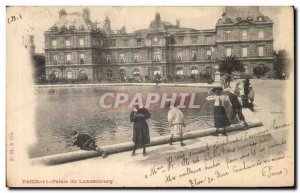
(75, 46)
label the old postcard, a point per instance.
(150, 96)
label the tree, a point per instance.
(281, 63)
(229, 64)
(260, 70)
(39, 67)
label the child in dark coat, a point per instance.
(86, 142)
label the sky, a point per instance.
(36, 20)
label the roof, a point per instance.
(242, 12)
(73, 19)
(236, 14)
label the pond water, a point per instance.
(61, 110)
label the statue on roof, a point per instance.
(157, 17)
(122, 30)
(62, 12)
(106, 26)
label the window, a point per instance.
(179, 56)
(122, 60)
(228, 51)
(209, 70)
(109, 73)
(82, 75)
(81, 58)
(100, 43)
(244, 52)
(156, 71)
(261, 51)
(156, 56)
(136, 72)
(148, 42)
(136, 57)
(68, 42)
(194, 56)
(56, 74)
(246, 69)
(155, 40)
(180, 39)
(139, 42)
(54, 43)
(194, 39)
(81, 41)
(194, 70)
(227, 35)
(55, 59)
(95, 43)
(260, 34)
(122, 72)
(179, 71)
(108, 60)
(208, 54)
(208, 39)
(69, 75)
(260, 18)
(125, 42)
(244, 34)
(112, 43)
(68, 57)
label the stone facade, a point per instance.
(75, 45)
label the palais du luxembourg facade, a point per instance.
(76, 45)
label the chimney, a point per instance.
(31, 45)
(177, 22)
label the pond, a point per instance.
(61, 110)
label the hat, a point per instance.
(217, 88)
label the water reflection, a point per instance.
(61, 110)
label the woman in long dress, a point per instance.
(220, 116)
(141, 135)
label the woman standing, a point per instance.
(140, 128)
(220, 115)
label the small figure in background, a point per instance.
(237, 90)
(141, 136)
(251, 96)
(87, 143)
(177, 122)
(283, 76)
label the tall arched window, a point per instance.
(122, 72)
(56, 74)
(209, 70)
(194, 70)
(136, 72)
(156, 71)
(109, 73)
(179, 71)
(246, 69)
(69, 74)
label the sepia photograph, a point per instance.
(150, 96)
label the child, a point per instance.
(86, 142)
(220, 115)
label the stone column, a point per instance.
(217, 77)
